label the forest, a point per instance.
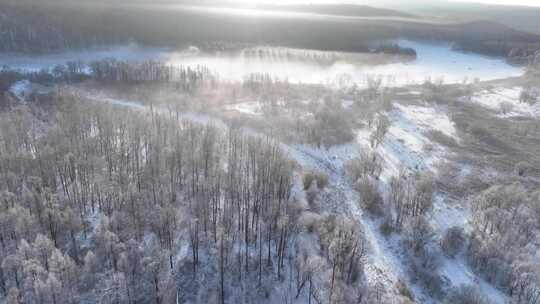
(97, 202)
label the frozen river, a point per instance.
(434, 61)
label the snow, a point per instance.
(428, 117)
(405, 145)
(413, 93)
(118, 102)
(492, 99)
(456, 272)
(20, 89)
(24, 88)
(347, 103)
(459, 273)
(446, 216)
(248, 108)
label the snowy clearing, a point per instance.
(496, 99)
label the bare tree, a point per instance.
(382, 125)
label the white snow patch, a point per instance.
(446, 216)
(24, 88)
(405, 145)
(20, 89)
(248, 108)
(493, 99)
(429, 118)
(119, 102)
(347, 103)
(459, 273)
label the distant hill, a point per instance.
(348, 10)
(67, 24)
(518, 17)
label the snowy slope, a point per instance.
(404, 147)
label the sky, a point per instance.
(506, 2)
(501, 2)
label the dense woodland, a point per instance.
(99, 203)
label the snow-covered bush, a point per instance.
(442, 138)
(366, 164)
(521, 168)
(371, 197)
(453, 241)
(506, 107)
(529, 95)
(465, 294)
(331, 125)
(319, 177)
(418, 234)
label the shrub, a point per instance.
(442, 138)
(506, 107)
(404, 290)
(521, 168)
(424, 268)
(418, 233)
(452, 241)
(371, 197)
(465, 294)
(368, 163)
(528, 96)
(331, 125)
(320, 177)
(479, 131)
(386, 227)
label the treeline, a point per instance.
(180, 77)
(185, 78)
(503, 243)
(395, 49)
(516, 52)
(37, 28)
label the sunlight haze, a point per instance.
(370, 2)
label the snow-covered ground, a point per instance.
(493, 99)
(426, 117)
(404, 147)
